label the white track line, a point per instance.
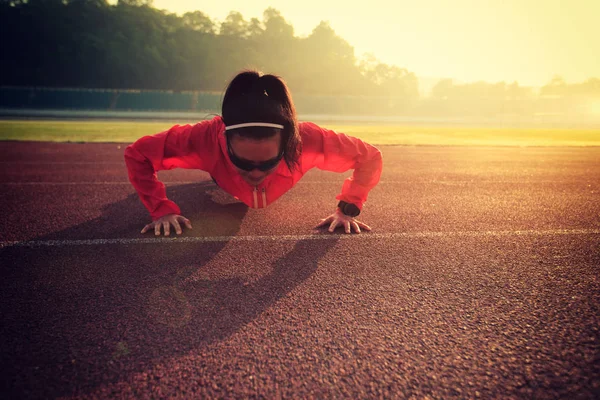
(128, 183)
(398, 235)
(306, 182)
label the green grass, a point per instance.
(79, 131)
(129, 131)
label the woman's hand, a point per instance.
(341, 219)
(165, 222)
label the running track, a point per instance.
(480, 280)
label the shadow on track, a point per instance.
(212, 212)
(76, 319)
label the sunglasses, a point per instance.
(247, 165)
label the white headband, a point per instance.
(265, 124)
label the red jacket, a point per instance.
(203, 146)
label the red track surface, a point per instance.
(480, 279)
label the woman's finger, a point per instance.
(347, 226)
(356, 227)
(186, 222)
(363, 225)
(333, 225)
(156, 229)
(324, 222)
(146, 228)
(167, 228)
(176, 226)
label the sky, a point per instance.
(528, 41)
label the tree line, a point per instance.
(90, 43)
(132, 45)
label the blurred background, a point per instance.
(495, 61)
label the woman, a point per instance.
(256, 151)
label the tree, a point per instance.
(234, 25)
(326, 63)
(556, 87)
(275, 26)
(136, 3)
(130, 44)
(273, 44)
(198, 21)
(255, 28)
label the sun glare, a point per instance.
(594, 107)
(466, 40)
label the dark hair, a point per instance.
(255, 97)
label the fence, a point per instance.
(22, 99)
(106, 99)
(148, 100)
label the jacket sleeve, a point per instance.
(338, 152)
(178, 147)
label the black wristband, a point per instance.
(348, 209)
